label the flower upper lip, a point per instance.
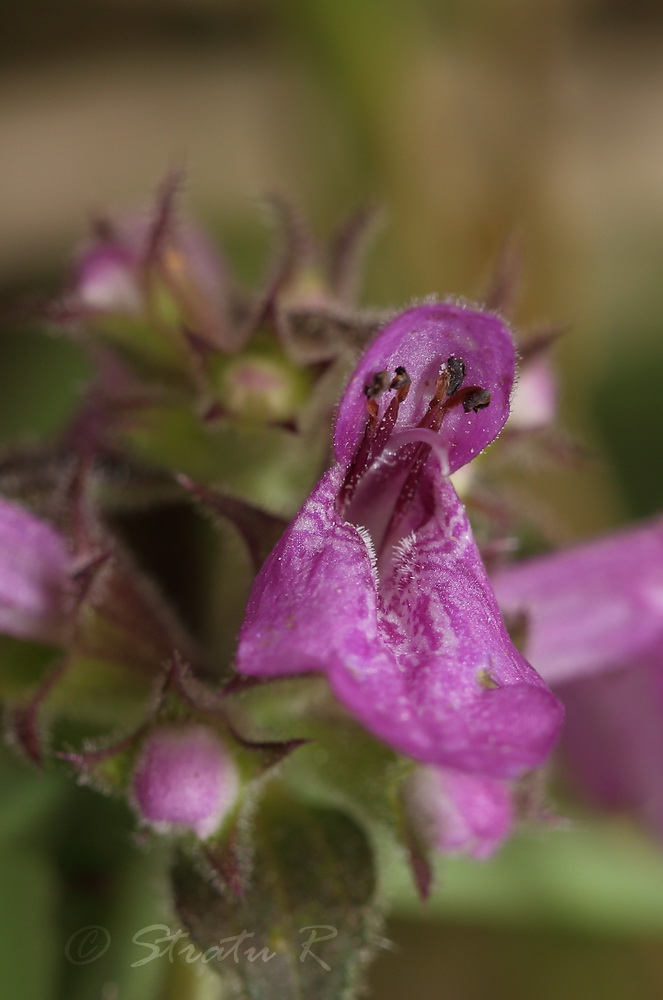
(413, 341)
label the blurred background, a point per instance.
(466, 120)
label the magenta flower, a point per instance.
(135, 264)
(34, 565)
(185, 778)
(378, 581)
(590, 608)
(614, 738)
(458, 813)
(593, 621)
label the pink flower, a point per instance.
(378, 581)
(591, 608)
(593, 621)
(154, 267)
(534, 403)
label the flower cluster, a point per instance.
(376, 636)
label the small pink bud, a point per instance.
(460, 813)
(185, 778)
(107, 280)
(261, 388)
(33, 576)
(120, 274)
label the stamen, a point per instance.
(456, 374)
(476, 399)
(473, 398)
(376, 434)
(401, 382)
(378, 385)
(373, 412)
(360, 462)
(449, 380)
(414, 444)
(432, 416)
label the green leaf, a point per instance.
(29, 955)
(28, 797)
(306, 923)
(41, 378)
(264, 465)
(28, 949)
(23, 665)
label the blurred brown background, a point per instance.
(466, 120)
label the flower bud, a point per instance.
(176, 283)
(460, 813)
(184, 778)
(260, 387)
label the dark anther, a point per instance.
(476, 399)
(378, 384)
(455, 374)
(401, 379)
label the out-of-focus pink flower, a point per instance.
(134, 263)
(590, 608)
(184, 778)
(534, 400)
(593, 622)
(33, 576)
(613, 739)
(378, 581)
(460, 813)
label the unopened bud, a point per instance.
(176, 282)
(460, 813)
(185, 778)
(33, 575)
(262, 388)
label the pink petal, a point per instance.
(614, 738)
(33, 576)
(315, 595)
(421, 658)
(589, 608)
(421, 340)
(460, 813)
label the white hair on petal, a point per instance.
(403, 550)
(367, 539)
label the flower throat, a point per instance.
(378, 489)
